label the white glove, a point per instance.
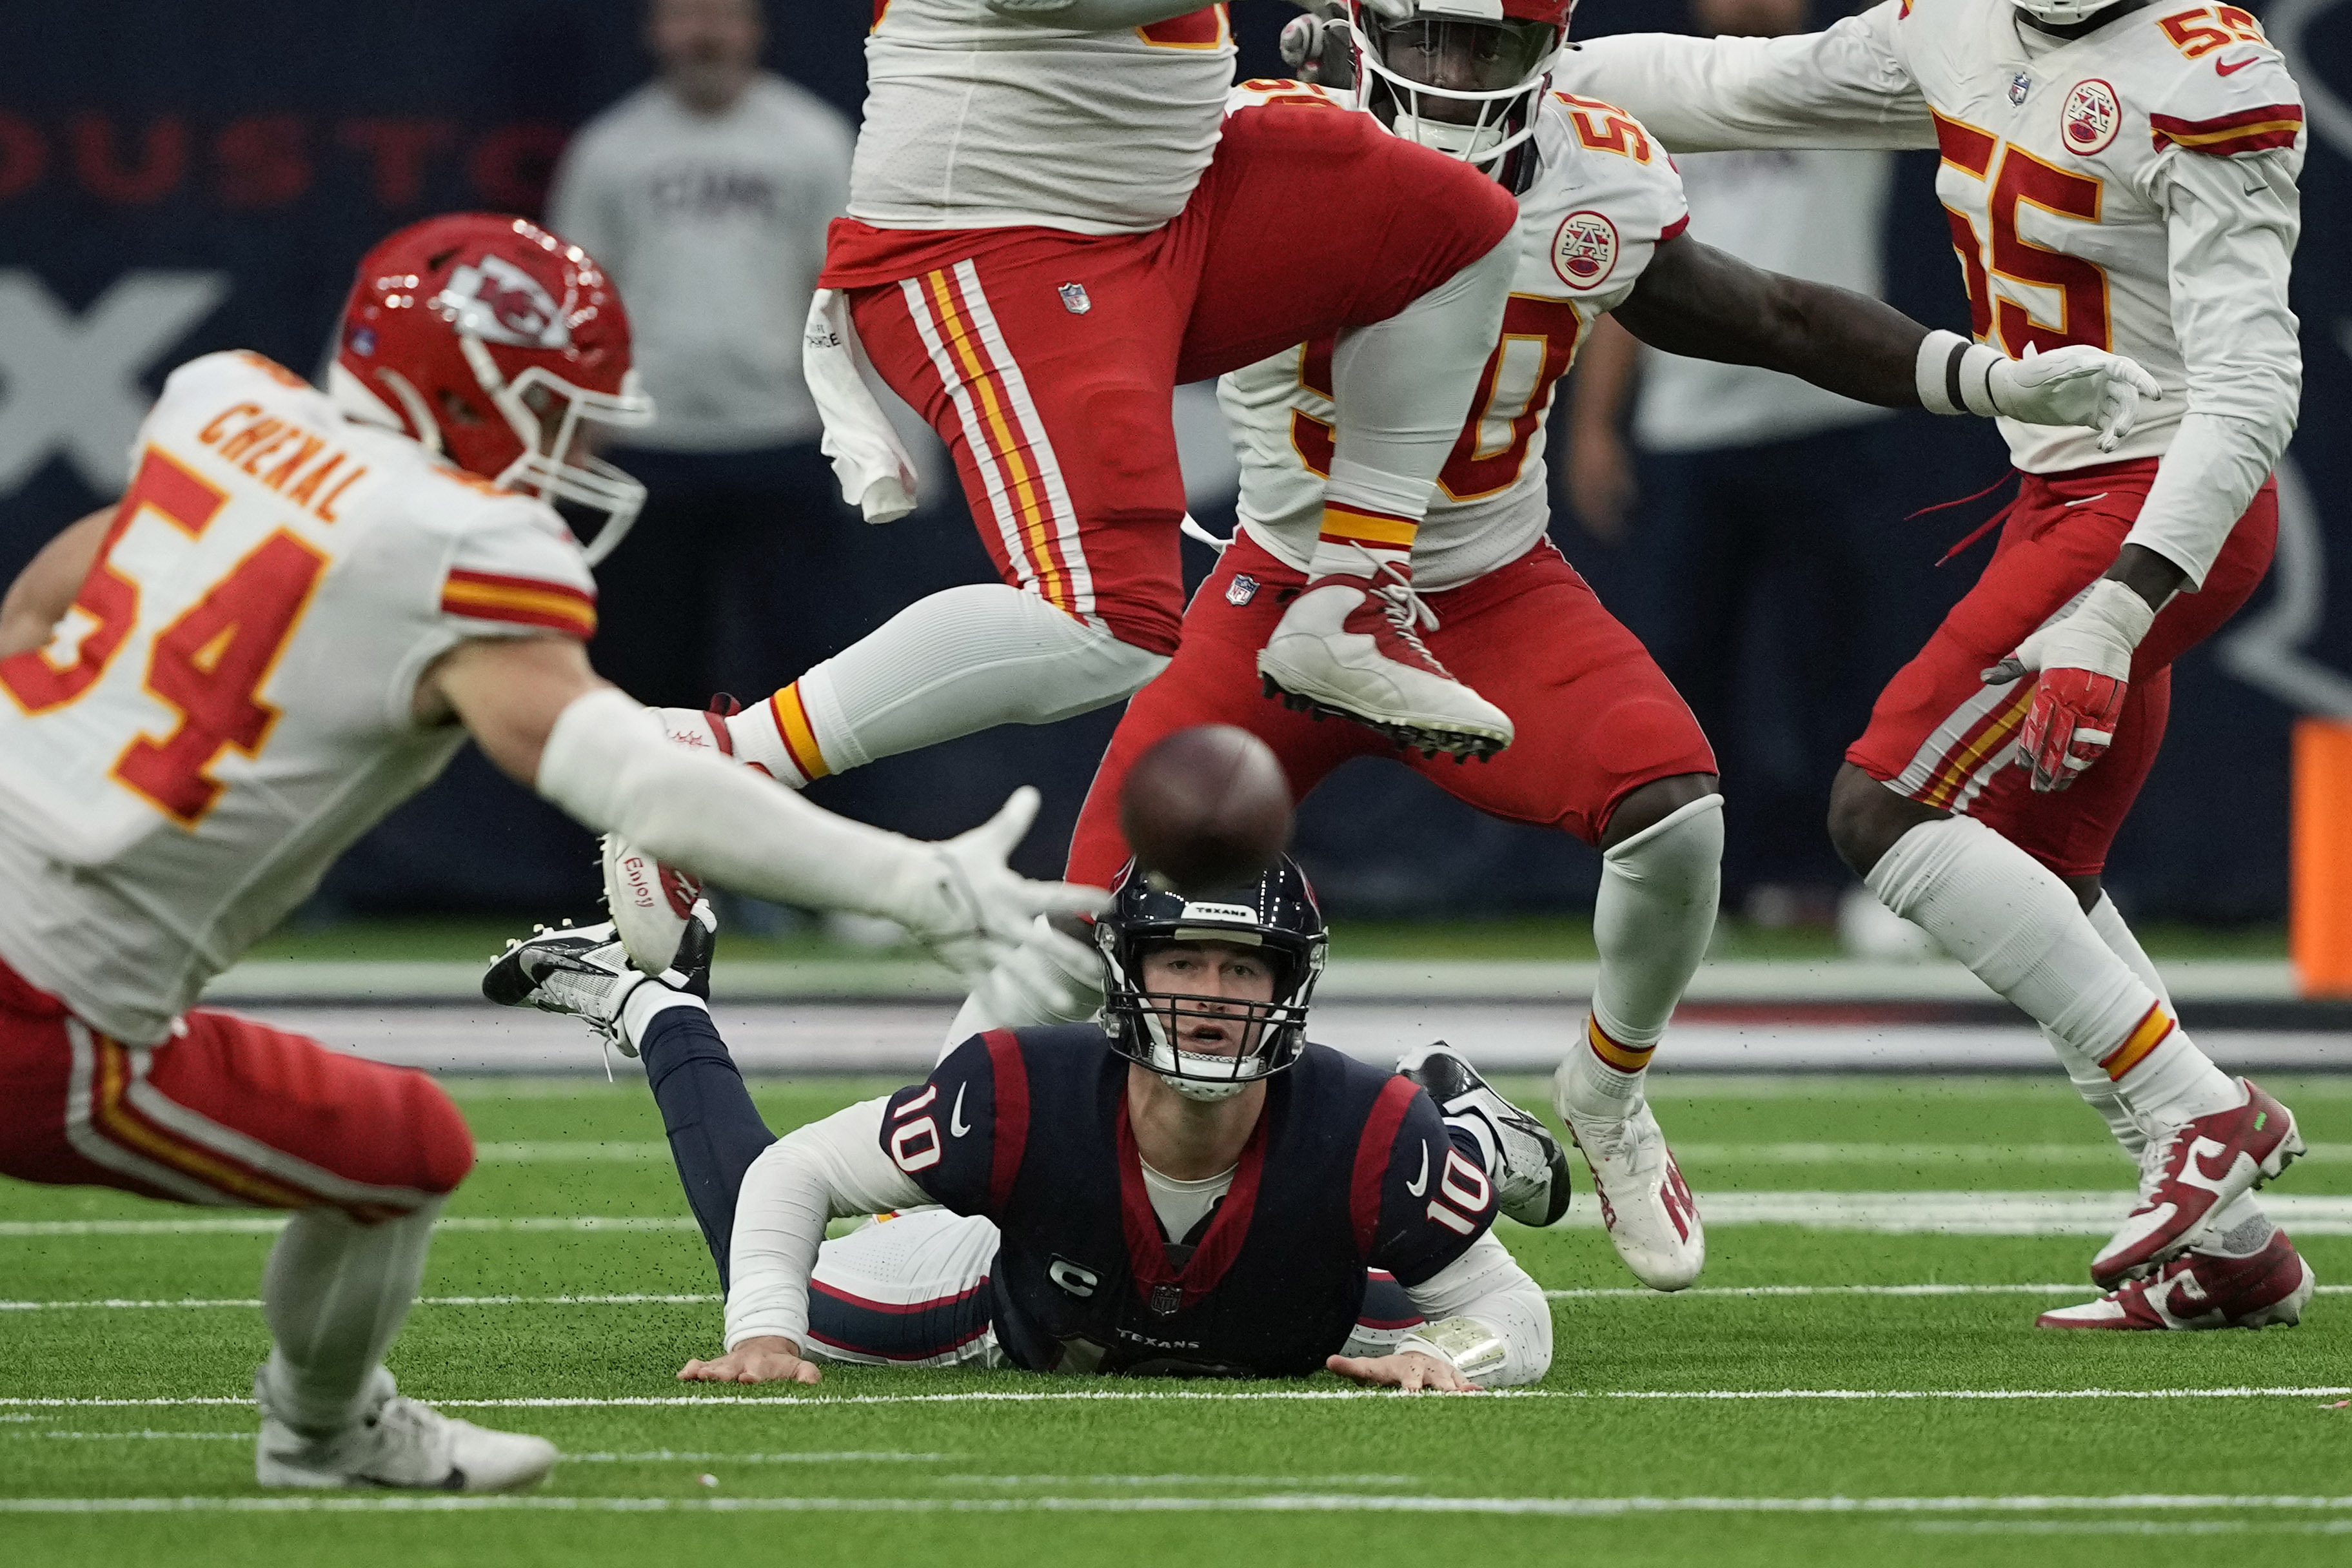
(2076, 385)
(1050, 978)
(972, 911)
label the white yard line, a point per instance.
(126, 1304)
(1635, 1292)
(1938, 1212)
(1114, 1395)
(1994, 1154)
(1280, 1502)
(567, 1151)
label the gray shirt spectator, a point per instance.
(713, 224)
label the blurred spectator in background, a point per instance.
(706, 193)
(1747, 521)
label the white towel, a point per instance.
(876, 475)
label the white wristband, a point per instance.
(1467, 1345)
(1953, 375)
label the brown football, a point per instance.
(1206, 808)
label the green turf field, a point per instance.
(1826, 1421)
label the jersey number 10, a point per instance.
(207, 666)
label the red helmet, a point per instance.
(491, 340)
(1465, 77)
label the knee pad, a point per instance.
(1684, 848)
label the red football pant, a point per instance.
(226, 1112)
(1047, 360)
(1596, 718)
(1942, 737)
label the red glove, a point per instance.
(2084, 660)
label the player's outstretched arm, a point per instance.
(45, 589)
(1844, 87)
(812, 1175)
(544, 717)
(1696, 300)
(1117, 15)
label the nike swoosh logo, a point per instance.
(2222, 69)
(1420, 1184)
(956, 1125)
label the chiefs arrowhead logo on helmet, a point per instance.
(493, 342)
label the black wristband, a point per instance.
(1952, 377)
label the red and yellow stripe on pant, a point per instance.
(1020, 473)
(1995, 730)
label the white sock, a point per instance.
(1652, 921)
(647, 1002)
(1403, 385)
(2019, 930)
(956, 662)
(2242, 1217)
(334, 1293)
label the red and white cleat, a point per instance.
(2191, 1175)
(2202, 1291)
(1349, 648)
(1651, 1219)
(652, 903)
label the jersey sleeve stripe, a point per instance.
(1373, 1151)
(1011, 1118)
(2248, 130)
(524, 601)
(1674, 230)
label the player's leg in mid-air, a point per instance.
(1932, 810)
(1046, 363)
(1606, 750)
(227, 1112)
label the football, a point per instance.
(1206, 808)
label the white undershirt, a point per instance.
(1180, 1204)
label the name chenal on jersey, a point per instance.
(1605, 194)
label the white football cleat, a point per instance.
(1651, 1219)
(1347, 647)
(397, 1443)
(2202, 1291)
(2192, 1174)
(1529, 1171)
(585, 972)
(651, 903)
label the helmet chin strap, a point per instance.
(1168, 1062)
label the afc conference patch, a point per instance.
(2091, 118)
(1240, 590)
(1584, 250)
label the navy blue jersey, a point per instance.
(1349, 1167)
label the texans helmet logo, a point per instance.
(498, 302)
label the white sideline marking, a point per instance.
(1113, 1395)
(131, 1437)
(1641, 1293)
(583, 1150)
(2106, 1154)
(1280, 1502)
(127, 1304)
(2132, 1526)
(270, 1224)
(1947, 1213)
(668, 1456)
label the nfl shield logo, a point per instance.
(1074, 300)
(2019, 86)
(1240, 590)
(1166, 1299)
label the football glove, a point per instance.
(2076, 385)
(1050, 978)
(971, 910)
(2082, 665)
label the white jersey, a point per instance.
(975, 119)
(1603, 198)
(227, 706)
(2133, 189)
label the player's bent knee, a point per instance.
(441, 1144)
(1642, 809)
(1866, 818)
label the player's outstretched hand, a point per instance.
(763, 1360)
(2074, 385)
(1411, 1373)
(2082, 665)
(971, 909)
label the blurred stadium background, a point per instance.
(172, 182)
